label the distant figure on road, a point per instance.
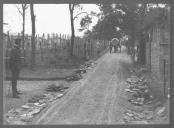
(115, 43)
(15, 65)
(110, 46)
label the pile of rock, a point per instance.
(74, 77)
(138, 90)
(34, 106)
(138, 117)
(24, 114)
(83, 69)
(145, 108)
(56, 88)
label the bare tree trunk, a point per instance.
(71, 9)
(23, 12)
(33, 37)
(23, 34)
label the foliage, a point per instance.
(84, 23)
(131, 18)
(120, 15)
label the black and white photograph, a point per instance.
(86, 63)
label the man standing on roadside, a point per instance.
(15, 65)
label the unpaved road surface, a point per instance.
(98, 99)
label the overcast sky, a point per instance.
(50, 18)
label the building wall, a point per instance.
(155, 52)
(159, 58)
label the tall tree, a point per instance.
(109, 20)
(23, 13)
(72, 19)
(124, 16)
(71, 9)
(33, 36)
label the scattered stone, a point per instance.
(26, 112)
(80, 71)
(35, 111)
(36, 98)
(40, 104)
(74, 77)
(138, 90)
(56, 88)
(132, 116)
(161, 111)
(25, 106)
(27, 119)
(148, 102)
(136, 102)
(138, 87)
(83, 69)
(148, 114)
(59, 95)
(129, 90)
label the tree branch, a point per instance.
(19, 10)
(24, 6)
(82, 13)
(70, 7)
(73, 7)
(79, 14)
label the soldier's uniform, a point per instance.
(15, 65)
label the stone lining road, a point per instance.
(96, 99)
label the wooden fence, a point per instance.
(55, 47)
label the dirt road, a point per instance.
(98, 97)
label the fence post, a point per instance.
(65, 41)
(48, 45)
(18, 35)
(90, 48)
(41, 46)
(36, 37)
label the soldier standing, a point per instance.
(15, 65)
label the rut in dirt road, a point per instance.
(97, 101)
